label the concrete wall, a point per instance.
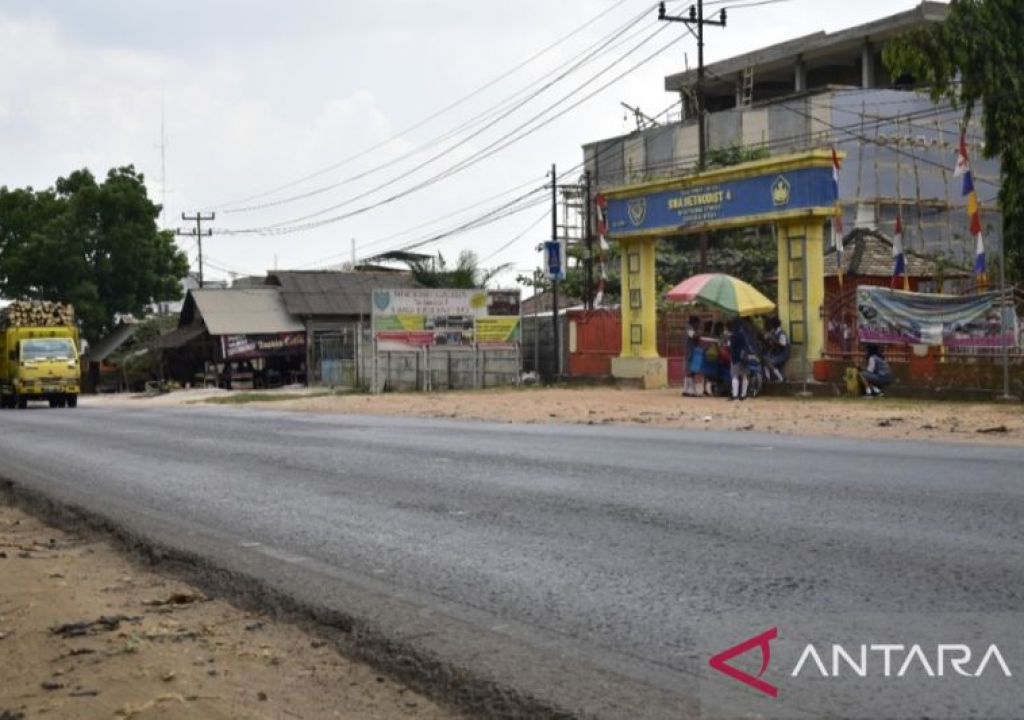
(438, 369)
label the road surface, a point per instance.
(592, 569)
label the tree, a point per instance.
(467, 273)
(94, 245)
(975, 57)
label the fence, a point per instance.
(444, 368)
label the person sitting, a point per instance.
(777, 354)
(876, 374)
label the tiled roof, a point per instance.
(869, 253)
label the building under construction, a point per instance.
(819, 91)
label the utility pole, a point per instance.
(198, 234)
(554, 277)
(696, 20)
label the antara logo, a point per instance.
(890, 660)
(720, 661)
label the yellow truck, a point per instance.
(39, 355)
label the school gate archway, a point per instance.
(795, 193)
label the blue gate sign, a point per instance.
(721, 204)
(553, 251)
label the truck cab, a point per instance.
(39, 364)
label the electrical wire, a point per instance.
(543, 216)
(462, 100)
(295, 224)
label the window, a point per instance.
(48, 349)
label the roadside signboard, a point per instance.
(446, 317)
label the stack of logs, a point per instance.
(36, 313)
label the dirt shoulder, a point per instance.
(856, 418)
(87, 633)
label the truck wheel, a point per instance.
(22, 403)
(72, 401)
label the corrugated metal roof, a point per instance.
(246, 311)
(313, 293)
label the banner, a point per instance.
(446, 317)
(248, 347)
(894, 316)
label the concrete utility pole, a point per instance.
(696, 19)
(554, 279)
(198, 234)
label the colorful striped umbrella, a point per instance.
(723, 292)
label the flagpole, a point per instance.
(1006, 396)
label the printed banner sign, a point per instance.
(894, 316)
(713, 204)
(447, 317)
(247, 347)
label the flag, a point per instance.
(603, 249)
(963, 168)
(837, 223)
(899, 258)
(979, 258)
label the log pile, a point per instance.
(36, 313)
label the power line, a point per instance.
(496, 146)
(495, 114)
(451, 106)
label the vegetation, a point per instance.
(244, 398)
(94, 245)
(750, 257)
(735, 154)
(975, 58)
(145, 364)
(467, 273)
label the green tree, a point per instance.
(976, 57)
(95, 245)
(467, 273)
(749, 257)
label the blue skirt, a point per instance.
(697, 361)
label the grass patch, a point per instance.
(253, 397)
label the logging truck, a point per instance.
(38, 354)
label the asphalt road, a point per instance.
(596, 568)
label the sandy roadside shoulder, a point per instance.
(87, 633)
(848, 417)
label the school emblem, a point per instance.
(637, 211)
(381, 299)
(780, 191)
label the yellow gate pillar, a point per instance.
(639, 360)
(801, 273)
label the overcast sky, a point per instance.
(339, 102)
